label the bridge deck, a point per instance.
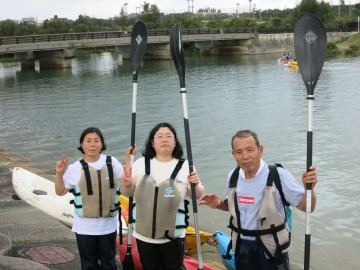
(114, 38)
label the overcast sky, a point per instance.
(71, 9)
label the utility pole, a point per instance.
(190, 6)
(237, 10)
(125, 8)
(250, 8)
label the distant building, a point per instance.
(29, 21)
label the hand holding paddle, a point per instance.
(310, 48)
(126, 177)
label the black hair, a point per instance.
(149, 149)
(91, 130)
(244, 134)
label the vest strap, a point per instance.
(177, 169)
(110, 170)
(87, 176)
(147, 166)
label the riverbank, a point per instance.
(30, 239)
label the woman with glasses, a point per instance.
(160, 182)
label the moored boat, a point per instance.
(223, 243)
(40, 193)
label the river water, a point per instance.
(42, 114)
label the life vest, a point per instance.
(272, 229)
(95, 195)
(160, 213)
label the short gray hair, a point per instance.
(244, 134)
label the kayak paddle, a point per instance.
(310, 48)
(137, 52)
(177, 55)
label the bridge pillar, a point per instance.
(232, 47)
(204, 46)
(158, 51)
(55, 59)
(27, 60)
(124, 50)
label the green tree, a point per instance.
(151, 15)
(56, 25)
(8, 28)
(84, 24)
(323, 10)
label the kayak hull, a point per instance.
(223, 242)
(40, 193)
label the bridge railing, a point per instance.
(115, 34)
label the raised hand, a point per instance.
(61, 164)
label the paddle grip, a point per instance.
(307, 252)
(131, 202)
(309, 155)
(190, 160)
(133, 124)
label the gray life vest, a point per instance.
(95, 195)
(160, 213)
(272, 229)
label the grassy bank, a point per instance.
(349, 45)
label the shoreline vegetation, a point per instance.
(349, 45)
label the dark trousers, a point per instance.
(251, 256)
(94, 248)
(168, 256)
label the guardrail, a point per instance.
(114, 34)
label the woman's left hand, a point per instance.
(310, 177)
(193, 178)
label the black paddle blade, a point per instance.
(138, 46)
(177, 53)
(128, 263)
(310, 48)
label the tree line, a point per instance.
(341, 17)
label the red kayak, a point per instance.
(189, 262)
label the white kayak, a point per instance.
(40, 193)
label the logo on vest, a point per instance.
(246, 200)
(169, 192)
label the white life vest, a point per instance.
(96, 195)
(159, 213)
(272, 229)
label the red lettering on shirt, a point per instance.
(247, 200)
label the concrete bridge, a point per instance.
(57, 50)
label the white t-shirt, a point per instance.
(160, 172)
(250, 192)
(92, 226)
